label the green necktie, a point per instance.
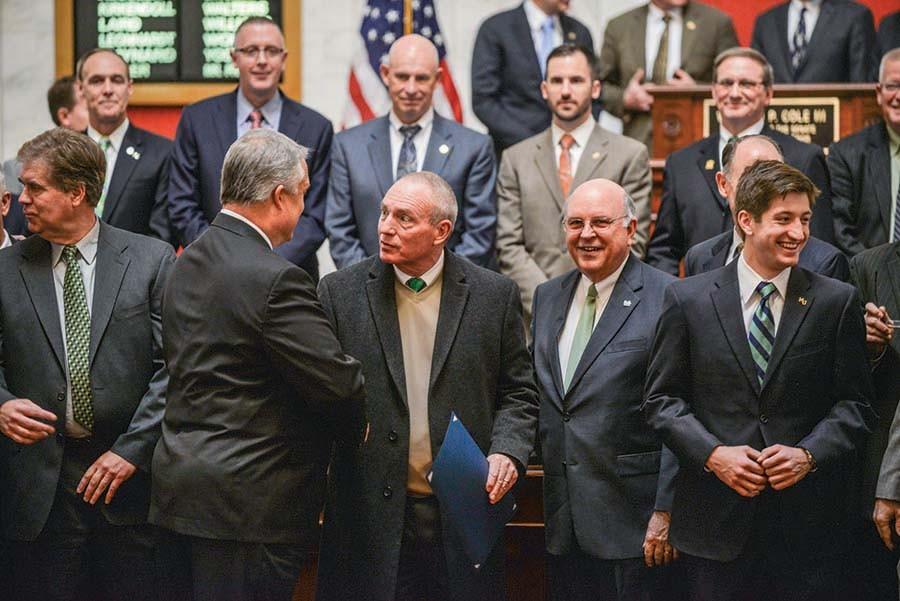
(105, 145)
(583, 332)
(762, 330)
(78, 339)
(417, 284)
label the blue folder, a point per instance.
(457, 477)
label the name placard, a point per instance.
(809, 119)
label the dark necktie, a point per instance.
(416, 284)
(798, 53)
(255, 119)
(897, 217)
(662, 55)
(78, 339)
(407, 162)
(762, 330)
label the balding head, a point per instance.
(740, 154)
(411, 74)
(414, 47)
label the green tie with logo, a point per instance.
(583, 332)
(416, 284)
(105, 145)
(78, 339)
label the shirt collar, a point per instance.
(657, 14)
(269, 110)
(756, 128)
(423, 122)
(7, 241)
(536, 17)
(87, 246)
(240, 217)
(604, 287)
(748, 280)
(582, 133)
(810, 5)
(116, 137)
(429, 276)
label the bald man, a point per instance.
(592, 329)
(411, 137)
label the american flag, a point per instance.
(383, 22)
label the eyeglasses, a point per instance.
(597, 224)
(891, 88)
(745, 85)
(253, 51)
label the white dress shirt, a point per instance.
(429, 276)
(7, 241)
(271, 112)
(604, 291)
(748, 280)
(87, 255)
(725, 135)
(655, 28)
(582, 134)
(240, 217)
(735, 241)
(420, 140)
(116, 138)
(813, 8)
(536, 18)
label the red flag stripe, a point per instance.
(359, 98)
(450, 91)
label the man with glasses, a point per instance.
(208, 128)
(865, 171)
(692, 208)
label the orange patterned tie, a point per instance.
(565, 164)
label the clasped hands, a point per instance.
(635, 96)
(748, 471)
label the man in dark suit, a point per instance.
(758, 382)
(82, 384)
(137, 161)
(865, 171)
(508, 65)
(208, 128)
(259, 389)
(435, 334)
(818, 42)
(889, 33)
(693, 34)
(692, 208)
(592, 329)
(740, 153)
(412, 137)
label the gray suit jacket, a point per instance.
(601, 460)
(128, 373)
(480, 370)
(531, 243)
(361, 173)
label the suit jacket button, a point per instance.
(61, 397)
(763, 418)
(567, 416)
(388, 492)
(392, 436)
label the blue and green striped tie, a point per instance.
(762, 330)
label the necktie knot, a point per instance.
(548, 25)
(765, 290)
(592, 293)
(69, 254)
(566, 141)
(409, 131)
(667, 18)
(105, 144)
(255, 118)
(416, 284)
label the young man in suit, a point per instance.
(259, 390)
(818, 41)
(606, 525)
(692, 209)
(82, 384)
(574, 149)
(209, 127)
(412, 137)
(739, 154)
(664, 42)
(758, 382)
(509, 62)
(136, 187)
(435, 333)
(865, 171)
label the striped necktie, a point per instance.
(762, 330)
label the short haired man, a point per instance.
(135, 190)
(208, 128)
(758, 382)
(6, 239)
(67, 105)
(591, 329)
(665, 42)
(692, 208)
(865, 171)
(259, 390)
(507, 74)
(739, 154)
(435, 334)
(411, 137)
(82, 384)
(573, 150)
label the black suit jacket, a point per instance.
(860, 167)
(601, 460)
(138, 191)
(889, 33)
(702, 392)
(258, 390)
(15, 222)
(127, 369)
(506, 76)
(817, 256)
(692, 210)
(842, 47)
(481, 370)
(205, 132)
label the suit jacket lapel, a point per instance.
(879, 168)
(440, 138)
(454, 294)
(290, 122)
(781, 35)
(37, 273)
(726, 298)
(521, 31)
(545, 160)
(226, 121)
(383, 306)
(689, 33)
(819, 34)
(623, 300)
(560, 303)
(125, 165)
(109, 273)
(719, 253)
(792, 316)
(380, 155)
(709, 151)
(593, 155)
(889, 281)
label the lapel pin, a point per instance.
(595, 156)
(710, 165)
(626, 302)
(802, 301)
(443, 149)
(130, 151)
(571, 35)
(691, 25)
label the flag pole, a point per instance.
(407, 17)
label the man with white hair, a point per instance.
(435, 334)
(259, 391)
(5, 199)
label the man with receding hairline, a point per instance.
(435, 333)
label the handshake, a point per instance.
(748, 471)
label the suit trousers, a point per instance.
(79, 554)
(869, 568)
